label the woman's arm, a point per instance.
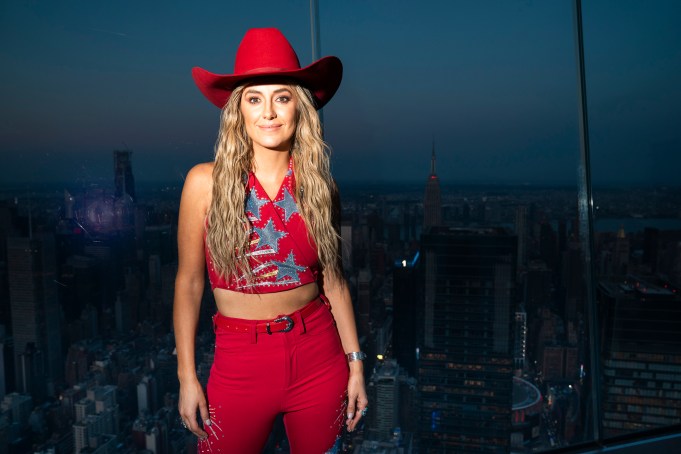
(189, 291)
(337, 292)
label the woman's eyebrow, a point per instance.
(278, 90)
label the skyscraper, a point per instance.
(522, 231)
(466, 360)
(386, 386)
(364, 301)
(407, 297)
(124, 181)
(520, 340)
(35, 313)
(642, 354)
(432, 203)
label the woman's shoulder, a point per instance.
(199, 179)
(201, 174)
(203, 170)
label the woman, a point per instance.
(261, 217)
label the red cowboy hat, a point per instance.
(265, 52)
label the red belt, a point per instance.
(280, 324)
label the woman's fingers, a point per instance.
(205, 415)
(361, 409)
(190, 423)
(191, 401)
(357, 404)
(194, 427)
(351, 408)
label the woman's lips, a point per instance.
(269, 127)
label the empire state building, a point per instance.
(432, 204)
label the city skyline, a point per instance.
(494, 85)
(470, 278)
(114, 281)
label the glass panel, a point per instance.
(456, 150)
(633, 65)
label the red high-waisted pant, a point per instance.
(302, 374)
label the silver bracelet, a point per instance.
(356, 356)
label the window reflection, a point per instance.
(638, 230)
(460, 225)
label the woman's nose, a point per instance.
(268, 112)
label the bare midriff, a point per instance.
(263, 306)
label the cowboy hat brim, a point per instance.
(322, 78)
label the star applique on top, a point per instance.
(269, 236)
(288, 268)
(288, 204)
(253, 203)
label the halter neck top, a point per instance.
(282, 254)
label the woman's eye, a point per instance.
(284, 99)
(253, 100)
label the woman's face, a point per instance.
(269, 113)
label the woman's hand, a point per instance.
(191, 399)
(336, 290)
(189, 285)
(357, 396)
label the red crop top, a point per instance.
(282, 255)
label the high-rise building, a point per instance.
(96, 418)
(522, 231)
(407, 298)
(651, 238)
(642, 355)
(35, 313)
(386, 386)
(573, 280)
(123, 312)
(124, 181)
(81, 280)
(392, 394)
(520, 340)
(465, 366)
(146, 395)
(31, 372)
(153, 440)
(620, 256)
(104, 397)
(364, 301)
(538, 287)
(18, 407)
(69, 398)
(80, 436)
(83, 408)
(432, 203)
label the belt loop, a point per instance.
(325, 300)
(254, 334)
(301, 322)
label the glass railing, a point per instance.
(513, 254)
(596, 235)
(632, 52)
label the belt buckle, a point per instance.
(286, 329)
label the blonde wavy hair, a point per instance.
(228, 227)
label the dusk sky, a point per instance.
(492, 83)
